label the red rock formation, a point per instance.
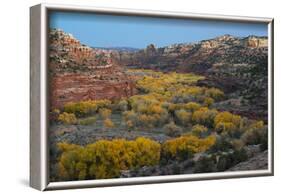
(79, 87)
(78, 72)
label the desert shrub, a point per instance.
(84, 108)
(129, 115)
(148, 152)
(56, 111)
(218, 162)
(227, 117)
(147, 121)
(264, 140)
(105, 113)
(105, 159)
(214, 93)
(171, 129)
(193, 90)
(192, 106)
(205, 164)
(208, 101)
(204, 116)
(188, 94)
(184, 147)
(88, 121)
(80, 108)
(70, 166)
(130, 118)
(227, 123)
(107, 123)
(224, 162)
(199, 130)
(172, 108)
(255, 135)
(183, 117)
(67, 118)
(146, 113)
(237, 144)
(231, 158)
(239, 156)
(160, 82)
(130, 125)
(256, 125)
(123, 105)
(225, 127)
(63, 146)
(222, 144)
(54, 114)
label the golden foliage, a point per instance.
(108, 123)
(123, 105)
(192, 106)
(256, 133)
(183, 116)
(199, 130)
(105, 113)
(209, 101)
(87, 121)
(105, 159)
(204, 116)
(184, 146)
(215, 93)
(226, 122)
(161, 82)
(67, 118)
(85, 107)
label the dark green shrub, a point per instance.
(224, 163)
(205, 164)
(222, 144)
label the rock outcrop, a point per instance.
(198, 57)
(79, 72)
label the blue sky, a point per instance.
(137, 32)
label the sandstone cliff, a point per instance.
(78, 72)
(198, 57)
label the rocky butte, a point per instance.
(79, 72)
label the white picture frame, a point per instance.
(39, 175)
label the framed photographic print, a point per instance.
(121, 97)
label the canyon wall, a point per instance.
(78, 72)
(198, 57)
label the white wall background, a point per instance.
(14, 103)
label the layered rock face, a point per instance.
(198, 57)
(78, 72)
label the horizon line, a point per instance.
(176, 43)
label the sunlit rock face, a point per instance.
(79, 72)
(200, 56)
(256, 42)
